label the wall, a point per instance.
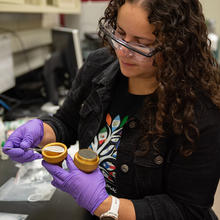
(211, 10)
(88, 20)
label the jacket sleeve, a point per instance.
(65, 121)
(189, 182)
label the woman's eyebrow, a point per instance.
(136, 37)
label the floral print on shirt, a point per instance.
(105, 144)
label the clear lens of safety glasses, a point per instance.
(127, 51)
(138, 51)
(117, 46)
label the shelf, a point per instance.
(25, 62)
(25, 8)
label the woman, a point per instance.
(151, 112)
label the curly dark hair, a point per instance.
(189, 67)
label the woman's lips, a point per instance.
(127, 63)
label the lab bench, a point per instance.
(60, 206)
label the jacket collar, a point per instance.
(108, 76)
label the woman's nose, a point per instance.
(125, 51)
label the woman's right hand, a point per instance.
(24, 137)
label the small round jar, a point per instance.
(54, 157)
(86, 160)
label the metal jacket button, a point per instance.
(158, 160)
(124, 168)
(132, 124)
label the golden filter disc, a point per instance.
(86, 160)
(54, 153)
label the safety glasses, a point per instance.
(137, 51)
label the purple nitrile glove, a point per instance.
(88, 189)
(26, 136)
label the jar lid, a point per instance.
(86, 160)
(52, 153)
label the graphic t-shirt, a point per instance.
(107, 141)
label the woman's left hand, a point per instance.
(88, 189)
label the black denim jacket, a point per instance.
(163, 185)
